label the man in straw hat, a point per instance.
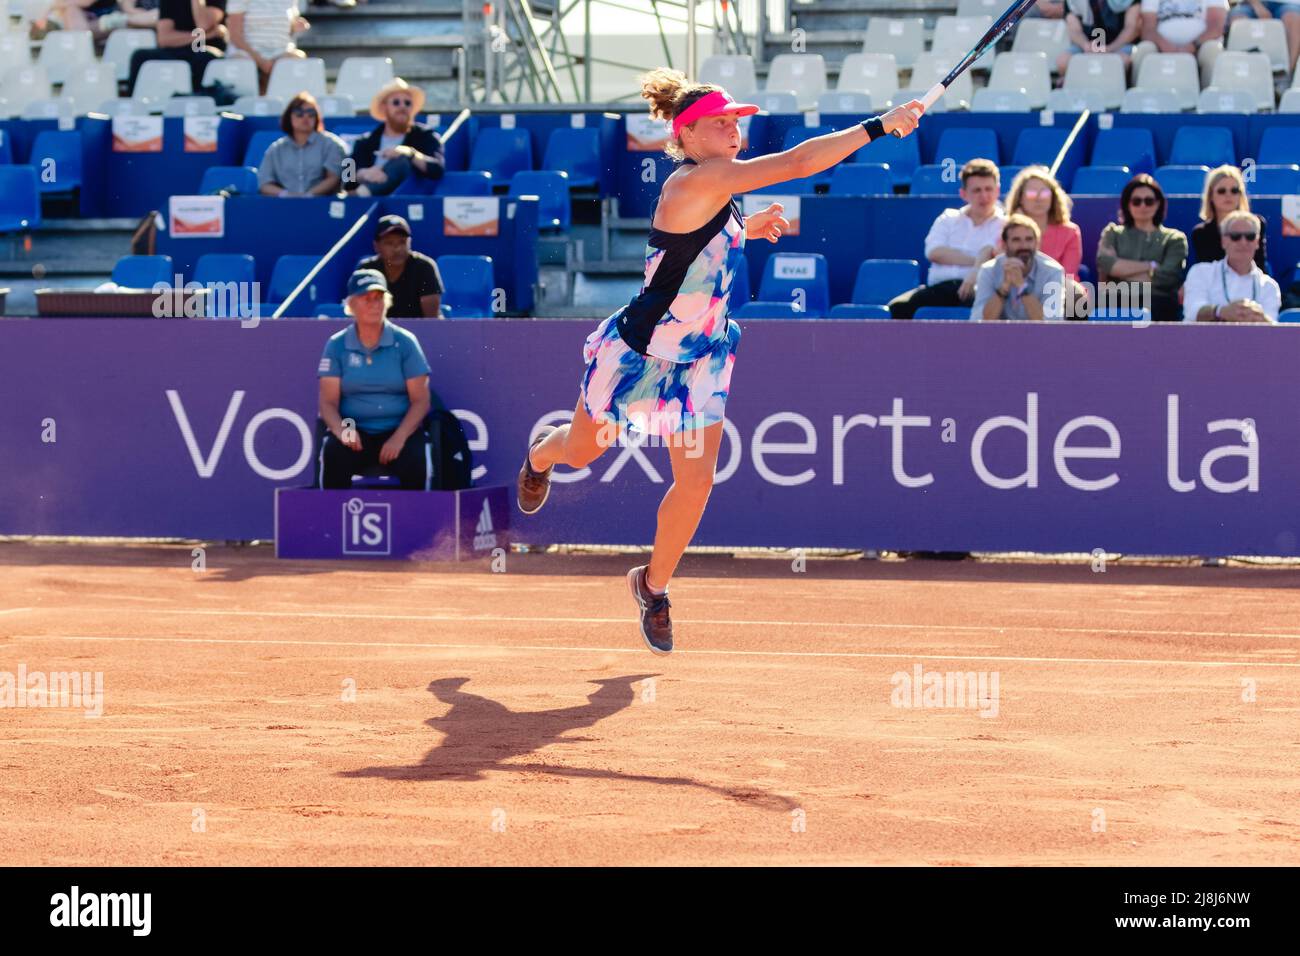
(399, 147)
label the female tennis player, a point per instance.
(662, 365)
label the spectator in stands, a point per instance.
(1287, 12)
(413, 278)
(263, 31)
(177, 21)
(306, 160)
(405, 147)
(1022, 284)
(98, 16)
(1047, 10)
(138, 14)
(1120, 23)
(1183, 26)
(1036, 194)
(958, 243)
(374, 393)
(1225, 192)
(1142, 249)
(1233, 289)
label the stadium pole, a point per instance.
(690, 39)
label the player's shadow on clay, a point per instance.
(481, 734)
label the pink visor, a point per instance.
(716, 103)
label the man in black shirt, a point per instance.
(413, 279)
(184, 25)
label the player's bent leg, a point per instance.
(576, 444)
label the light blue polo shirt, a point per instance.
(373, 381)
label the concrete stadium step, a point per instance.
(853, 14)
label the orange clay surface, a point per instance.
(516, 718)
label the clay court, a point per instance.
(516, 718)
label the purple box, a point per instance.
(377, 523)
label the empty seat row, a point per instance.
(467, 281)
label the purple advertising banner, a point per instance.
(854, 434)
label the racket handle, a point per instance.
(931, 97)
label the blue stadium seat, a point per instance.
(552, 188)
(289, 270)
(576, 152)
(771, 310)
(850, 311)
(472, 183)
(1129, 146)
(739, 285)
(1038, 145)
(59, 152)
(1203, 146)
(222, 268)
(1182, 180)
(237, 180)
(901, 155)
(6, 148)
(330, 310)
(1275, 181)
(1006, 175)
(787, 279)
(935, 181)
(1289, 315)
(951, 312)
(1279, 145)
(20, 201)
(967, 143)
(862, 179)
(467, 283)
(143, 272)
(879, 280)
(1101, 180)
(502, 152)
(258, 144)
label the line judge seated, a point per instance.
(1022, 284)
(1234, 288)
(374, 393)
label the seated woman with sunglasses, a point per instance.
(1143, 249)
(306, 161)
(1225, 192)
(1233, 289)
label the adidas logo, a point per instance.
(484, 536)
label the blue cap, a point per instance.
(364, 280)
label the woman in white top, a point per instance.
(1234, 289)
(263, 31)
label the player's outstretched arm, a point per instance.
(733, 176)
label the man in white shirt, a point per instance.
(959, 242)
(1183, 26)
(1233, 289)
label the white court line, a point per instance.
(641, 651)
(502, 619)
(14, 610)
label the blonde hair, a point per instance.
(1211, 180)
(669, 93)
(1239, 215)
(1059, 212)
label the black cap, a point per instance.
(389, 224)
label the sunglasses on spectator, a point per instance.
(1243, 236)
(1227, 191)
(304, 111)
(1042, 193)
(1143, 201)
(397, 102)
